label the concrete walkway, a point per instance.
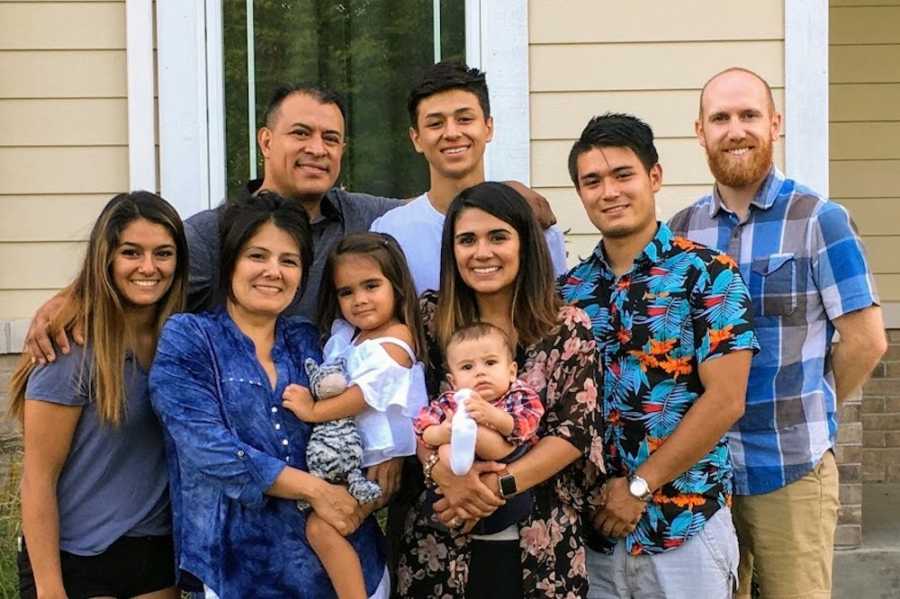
(873, 570)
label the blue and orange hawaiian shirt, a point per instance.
(681, 304)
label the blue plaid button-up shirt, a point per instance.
(805, 266)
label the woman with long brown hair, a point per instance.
(95, 504)
(495, 268)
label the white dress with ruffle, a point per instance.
(393, 393)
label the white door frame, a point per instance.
(806, 92)
(192, 110)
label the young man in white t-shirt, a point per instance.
(451, 125)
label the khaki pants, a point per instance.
(787, 536)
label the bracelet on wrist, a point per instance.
(428, 466)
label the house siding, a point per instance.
(647, 58)
(864, 65)
(64, 146)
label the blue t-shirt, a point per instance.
(114, 481)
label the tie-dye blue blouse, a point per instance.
(227, 439)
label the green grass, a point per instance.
(9, 520)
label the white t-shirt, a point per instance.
(393, 393)
(417, 227)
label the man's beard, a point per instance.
(737, 173)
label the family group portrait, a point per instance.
(450, 299)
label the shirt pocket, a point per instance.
(777, 284)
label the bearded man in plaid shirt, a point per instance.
(807, 274)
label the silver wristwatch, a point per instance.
(639, 488)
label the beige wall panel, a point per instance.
(572, 218)
(49, 218)
(98, 170)
(586, 21)
(865, 64)
(865, 179)
(81, 122)
(864, 25)
(561, 115)
(54, 26)
(880, 102)
(888, 287)
(49, 265)
(864, 3)
(592, 67)
(579, 247)
(683, 161)
(874, 216)
(860, 141)
(882, 253)
(22, 303)
(60, 74)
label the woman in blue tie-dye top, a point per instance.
(237, 458)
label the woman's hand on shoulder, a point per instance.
(335, 505)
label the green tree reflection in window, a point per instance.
(368, 50)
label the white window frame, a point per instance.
(806, 92)
(192, 110)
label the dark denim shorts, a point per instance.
(130, 566)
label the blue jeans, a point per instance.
(705, 566)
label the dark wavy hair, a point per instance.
(535, 306)
(446, 76)
(615, 130)
(243, 217)
(387, 254)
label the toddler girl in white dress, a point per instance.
(379, 334)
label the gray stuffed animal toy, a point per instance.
(334, 451)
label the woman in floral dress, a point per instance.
(495, 267)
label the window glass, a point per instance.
(368, 50)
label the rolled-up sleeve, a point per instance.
(526, 409)
(187, 399)
(840, 268)
(434, 413)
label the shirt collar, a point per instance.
(220, 313)
(330, 207)
(764, 198)
(652, 253)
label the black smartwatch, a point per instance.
(507, 483)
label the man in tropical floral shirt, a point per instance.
(672, 320)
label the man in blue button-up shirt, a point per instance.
(806, 270)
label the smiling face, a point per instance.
(302, 146)
(452, 132)
(365, 295)
(487, 251)
(482, 364)
(738, 127)
(143, 263)
(266, 273)
(617, 191)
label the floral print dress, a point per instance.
(563, 369)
